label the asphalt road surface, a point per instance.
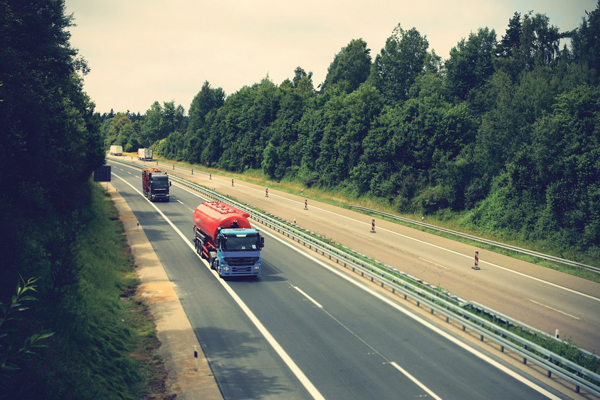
(305, 330)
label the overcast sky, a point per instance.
(140, 52)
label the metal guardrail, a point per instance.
(442, 302)
(482, 240)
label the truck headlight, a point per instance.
(226, 269)
(257, 267)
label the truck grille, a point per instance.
(241, 270)
(234, 261)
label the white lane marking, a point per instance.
(307, 296)
(416, 381)
(373, 350)
(431, 262)
(425, 323)
(180, 202)
(495, 265)
(261, 328)
(553, 309)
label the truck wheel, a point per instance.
(216, 267)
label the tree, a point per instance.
(512, 39)
(299, 75)
(206, 100)
(529, 41)
(586, 42)
(471, 63)
(352, 64)
(399, 63)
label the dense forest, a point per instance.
(505, 132)
(54, 322)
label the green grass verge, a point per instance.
(103, 347)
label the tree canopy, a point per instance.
(424, 134)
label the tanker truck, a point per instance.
(155, 184)
(224, 237)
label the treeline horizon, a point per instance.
(504, 133)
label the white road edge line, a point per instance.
(415, 380)
(553, 309)
(276, 346)
(307, 296)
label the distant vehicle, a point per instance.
(223, 236)
(145, 154)
(155, 184)
(116, 150)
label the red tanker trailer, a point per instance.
(223, 236)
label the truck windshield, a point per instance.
(160, 183)
(234, 242)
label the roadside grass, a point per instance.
(105, 338)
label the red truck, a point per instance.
(223, 236)
(155, 184)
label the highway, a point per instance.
(538, 296)
(306, 330)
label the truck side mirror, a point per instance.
(169, 183)
(262, 242)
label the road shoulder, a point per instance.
(173, 328)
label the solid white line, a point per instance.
(416, 381)
(553, 309)
(307, 296)
(425, 323)
(261, 328)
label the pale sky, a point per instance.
(142, 51)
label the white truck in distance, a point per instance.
(144, 154)
(116, 150)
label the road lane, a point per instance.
(350, 351)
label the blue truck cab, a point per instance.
(238, 252)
